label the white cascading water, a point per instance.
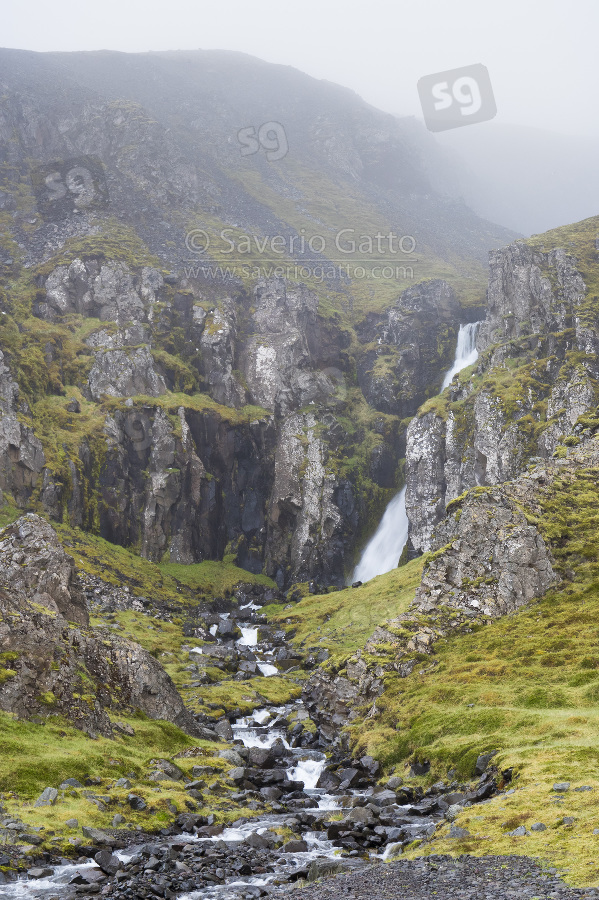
(385, 547)
(466, 353)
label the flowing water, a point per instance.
(466, 353)
(385, 547)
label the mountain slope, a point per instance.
(190, 413)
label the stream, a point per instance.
(335, 814)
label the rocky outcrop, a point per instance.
(218, 345)
(51, 665)
(279, 365)
(531, 292)
(186, 487)
(34, 564)
(109, 291)
(333, 701)
(537, 375)
(123, 365)
(408, 349)
(492, 560)
(21, 454)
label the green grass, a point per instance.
(166, 581)
(216, 576)
(342, 621)
(36, 756)
(527, 685)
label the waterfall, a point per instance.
(466, 353)
(385, 547)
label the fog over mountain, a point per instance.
(525, 178)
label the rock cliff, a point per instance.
(535, 378)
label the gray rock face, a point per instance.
(486, 435)
(107, 291)
(33, 562)
(190, 487)
(522, 299)
(408, 350)
(218, 345)
(111, 292)
(494, 561)
(310, 510)
(37, 592)
(278, 363)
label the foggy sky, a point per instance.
(541, 54)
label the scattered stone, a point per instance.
(136, 802)
(48, 797)
(561, 787)
(97, 836)
(456, 832)
(123, 728)
(72, 823)
(107, 862)
(483, 761)
(538, 826)
(295, 847)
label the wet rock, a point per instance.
(34, 564)
(107, 862)
(295, 846)
(224, 730)
(39, 873)
(97, 836)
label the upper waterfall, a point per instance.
(466, 353)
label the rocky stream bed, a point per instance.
(327, 814)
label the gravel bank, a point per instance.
(466, 878)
